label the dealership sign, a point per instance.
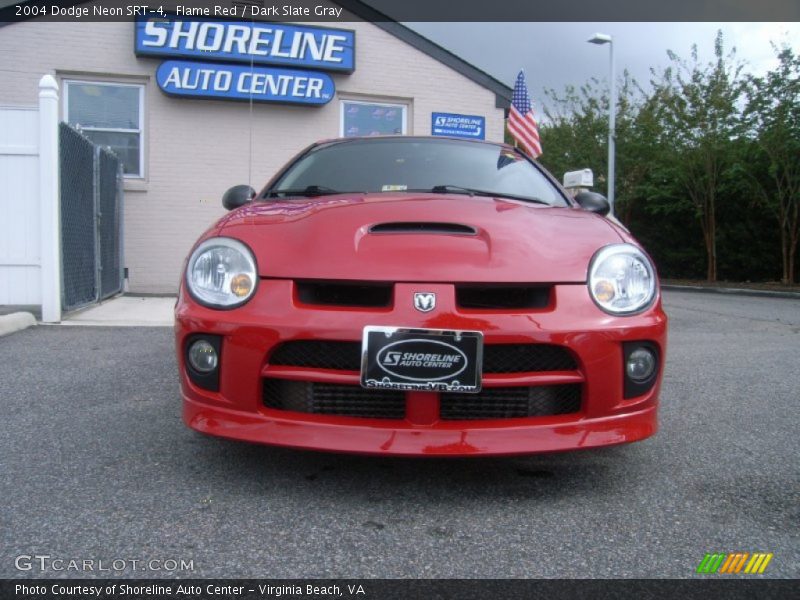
(244, 42)
(239, 82)
(465, 126)
(204, 45)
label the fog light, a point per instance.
(202, 356)
(641, 365)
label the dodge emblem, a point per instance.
(424, 301)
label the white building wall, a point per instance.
(196, 149)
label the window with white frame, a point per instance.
(360, 118)
(109, 114)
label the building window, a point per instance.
(372, 118)
(109, 114)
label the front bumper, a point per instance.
(275, 315)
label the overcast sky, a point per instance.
(557, 54)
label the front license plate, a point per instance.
(431, 360)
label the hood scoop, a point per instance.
(426, 227)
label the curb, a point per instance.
(119, 323)
(15, 322)
(732, 291)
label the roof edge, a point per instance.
(502, 92)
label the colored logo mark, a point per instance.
(736, 562)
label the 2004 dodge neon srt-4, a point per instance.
(419, 296)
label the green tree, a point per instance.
(703, 143)
(574, 134)
(697, 109)
(574, 130)
(639, 154)
(772, 118)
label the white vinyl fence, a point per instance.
(20, 258)
(29, 212)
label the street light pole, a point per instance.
(600, 39)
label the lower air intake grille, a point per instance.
(333, 399)
(318, 354)
(355, 401)
(512, 402)
(523, 358)
(497, 358)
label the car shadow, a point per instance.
(374, 478)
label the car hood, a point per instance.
(475, 238)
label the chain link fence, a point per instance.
(109, 223)
(91, 220)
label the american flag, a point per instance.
(521, 122)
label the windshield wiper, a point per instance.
(310, 191)
(452, 189)
(457, 189)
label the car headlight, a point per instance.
(221, 273)
(622, 280)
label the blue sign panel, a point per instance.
(466, 126)
(240, 41)
(240, 82)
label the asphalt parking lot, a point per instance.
(97, 465)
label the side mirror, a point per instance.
(593, 202)
(237, 196)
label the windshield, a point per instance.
(416, 165)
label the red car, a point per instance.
(419, 296)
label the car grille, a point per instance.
(512, 402)
(497, 358)
(355, 401)
(333, 293)
(318, 354)
(333, 399)
(526, 358)
(502, 297)
(377, 294)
